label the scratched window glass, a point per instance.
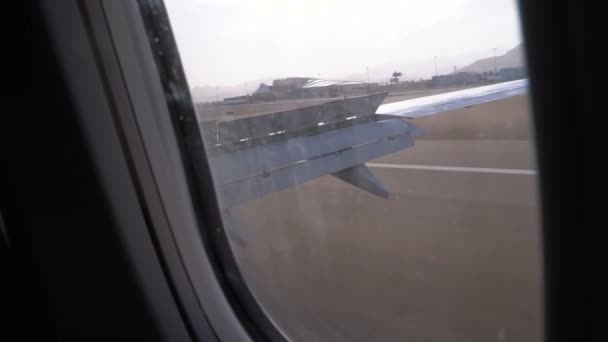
(373, 162)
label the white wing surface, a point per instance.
(434, 104)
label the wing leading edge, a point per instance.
(435, 104)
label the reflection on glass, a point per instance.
(373, 162)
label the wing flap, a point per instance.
(255, 185)
(362, 177)
(258, 159)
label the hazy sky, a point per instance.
(227, 42)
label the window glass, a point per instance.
(373, 162)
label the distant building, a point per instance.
(301, 88)
(263, 89)
(459, 78)
(238, 99)
(264, 93)
(508, 74)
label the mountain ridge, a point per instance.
(513, 58)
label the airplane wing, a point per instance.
(258, 155)
(434, 104)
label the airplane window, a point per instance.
(374, 163)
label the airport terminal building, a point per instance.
(293, 88)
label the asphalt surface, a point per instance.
(452, 256)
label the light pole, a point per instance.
(495, 70)
(436, 66)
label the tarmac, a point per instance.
(453, 255)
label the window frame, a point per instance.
(156, 117)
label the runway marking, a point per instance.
(454, 168)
